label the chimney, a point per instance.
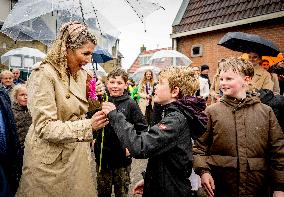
(142, 49)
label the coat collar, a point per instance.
(236, 104)
(78, 88)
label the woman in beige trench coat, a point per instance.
(57, 148)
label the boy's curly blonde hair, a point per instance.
(182, 77)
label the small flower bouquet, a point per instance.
(94, 103)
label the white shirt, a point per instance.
(204, 87)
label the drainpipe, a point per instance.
(174, 44)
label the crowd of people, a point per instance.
(228, 131)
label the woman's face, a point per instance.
(148, 75)
(22, 97)
(7, 79)
(79, 57)
(254, 58)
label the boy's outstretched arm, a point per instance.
(157, 140)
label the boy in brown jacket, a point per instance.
(242, 152)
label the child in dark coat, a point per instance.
(167, 144)
(113, 160)
(20, 110)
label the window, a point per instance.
(15, 61)
(28, 62)
(196, 50)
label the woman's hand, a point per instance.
(138, 188)
(100, 87)
(108, 107)
(208, 183)
(99, 120)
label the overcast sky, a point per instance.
(157, 35)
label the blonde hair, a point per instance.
(237, 65)
(182, 77)
(72, 36)
(144, 80)
(4, 72)
(15, 92)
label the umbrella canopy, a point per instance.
(139, 73)
(98, 69)
(165, 58)
(244, 42)
(41, 19)
(101, 55)
(24, 51)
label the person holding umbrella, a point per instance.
(261, 78)
(256, 47)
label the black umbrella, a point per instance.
(244, 42)
(101, 55)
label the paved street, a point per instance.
(138, 165)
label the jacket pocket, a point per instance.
(222, 161)
(257, 164)
(51, 154)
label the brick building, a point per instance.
(200, 24)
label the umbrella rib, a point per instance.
(95, 11)
(134, 9)
(81, 8)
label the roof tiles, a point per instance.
(205, 13)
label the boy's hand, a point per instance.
(278, 194)
(108, 107)
(100, 87)
(99, 120)
(208, 183)
(139, 187)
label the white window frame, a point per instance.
(200, 50)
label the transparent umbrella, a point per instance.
(24, 51)
(98, 69)
(139, 73)
(40, 19)
(165, 58)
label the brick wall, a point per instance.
(272, 30)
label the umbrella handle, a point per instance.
(95, 74)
